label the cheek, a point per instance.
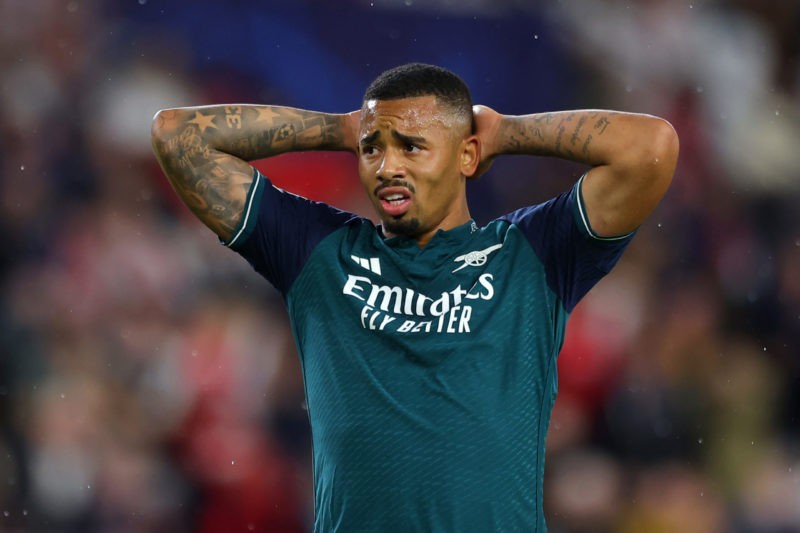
(443, 177)
(364, 174)
(368, 182)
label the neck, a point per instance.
(450, 221)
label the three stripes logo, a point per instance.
(372, 264)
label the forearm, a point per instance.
(633, 158)
(204, 151)
(592, 137)
(252, 132)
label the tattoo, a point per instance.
(601, 125)
(514, 144)
(292, 129)
(561, 129)
(233, 117)
(523, 135)
(203, 152)
(244, 146)
(266, 113)
(212, 184)
(281, 138)
(203, 121)
(320, 128)
(572, 135)
(577, 131)
(190, 145)
(585, 149)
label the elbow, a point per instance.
(162, 126)
(657, 154)
(167, 124)
(665, 145)
(164, 129)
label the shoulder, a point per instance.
(280, 230)
(561, 217)
(270, 208)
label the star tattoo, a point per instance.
(203, 121)
(265, 113)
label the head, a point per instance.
(417, 148)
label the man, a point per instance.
(428, 345)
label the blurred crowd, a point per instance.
(148, 378)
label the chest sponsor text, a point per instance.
(404, 310)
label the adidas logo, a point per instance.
(372, 264)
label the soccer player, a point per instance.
(428, 344)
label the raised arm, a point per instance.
(633, 157)
(204, 151)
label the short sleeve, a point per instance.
(279, 231)
(574, 256)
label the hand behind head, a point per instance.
(487, 125)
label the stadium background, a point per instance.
(148, 380)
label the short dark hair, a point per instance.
(420, 79)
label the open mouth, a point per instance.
(395, 201)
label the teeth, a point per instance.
(394, 197)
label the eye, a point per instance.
(368, 150)
(412, 148)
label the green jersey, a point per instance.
(430, 373)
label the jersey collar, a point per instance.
(458, 233)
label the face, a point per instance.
(413, 158)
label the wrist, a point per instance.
(526, 134)
(350, 124)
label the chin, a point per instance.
(401, 226)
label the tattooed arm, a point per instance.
(204, 151)
(633, 157)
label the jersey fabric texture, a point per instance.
(430, 373)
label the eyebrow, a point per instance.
(405, 139)
(372, 137)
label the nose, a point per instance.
(392, 166)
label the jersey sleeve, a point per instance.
(574, 256)
(279, 230)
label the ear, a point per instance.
(470, 156)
